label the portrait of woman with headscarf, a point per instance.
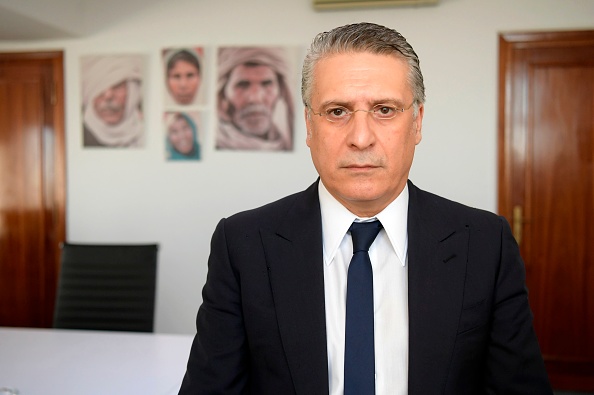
(254, 99)
(183, 76)
(112, 101)
(181, 142)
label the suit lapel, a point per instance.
(437, 268)
(295, 262)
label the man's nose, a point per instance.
(256, 93)
(362, 133)
(108, 93)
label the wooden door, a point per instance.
(546, 189)
(32, 186)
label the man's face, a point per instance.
(183, 80)
(180, 136)
(364, 163)
(250, 96)
(110, 105)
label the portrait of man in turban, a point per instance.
(254, 99)
(112, 101)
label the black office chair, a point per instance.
(107, 287)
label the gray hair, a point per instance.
(362, 37)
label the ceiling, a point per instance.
(17, 26)
(60, 19)
(34, 20)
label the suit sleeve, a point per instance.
(218, 362)
(514, 363)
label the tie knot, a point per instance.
(363, 234)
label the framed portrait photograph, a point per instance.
(112, 100)
(255, 98)
(184, 76)
(183, 132)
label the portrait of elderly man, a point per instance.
(112, 101)
(254, 99)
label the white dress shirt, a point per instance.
(388, 255)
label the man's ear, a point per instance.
(418, 124)
(308, 126)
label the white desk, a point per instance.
(69, 362)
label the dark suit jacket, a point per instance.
(261, 328)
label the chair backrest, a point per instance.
(107, 287)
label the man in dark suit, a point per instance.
(449, 308)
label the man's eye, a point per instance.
(337, 112)
(243, 85)
(385, 111)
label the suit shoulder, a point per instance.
(432, 204)
(275, 211)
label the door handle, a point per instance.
(517, 223)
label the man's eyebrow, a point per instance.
(330, 103)
(372, 103)
(389, 101)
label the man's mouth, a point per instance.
(361, 167)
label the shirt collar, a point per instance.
(336, 220)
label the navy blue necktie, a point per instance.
(359, 360)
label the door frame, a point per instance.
(514, 189)
(54, 168)
(510, 121)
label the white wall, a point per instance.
(135, 196)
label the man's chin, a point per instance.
(258, 131)
(111, 118)
(111, 121)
